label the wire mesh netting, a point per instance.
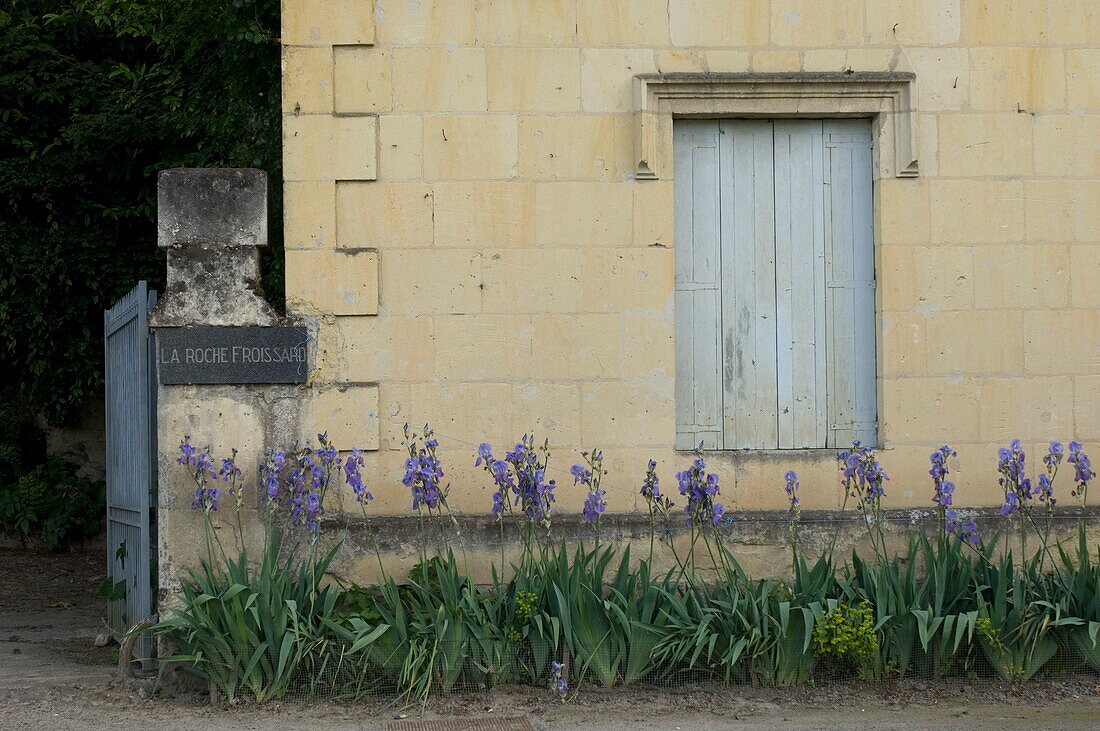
(357, 679)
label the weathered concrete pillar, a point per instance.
(212, 224)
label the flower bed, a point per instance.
(954, 603)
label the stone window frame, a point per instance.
(886, 97)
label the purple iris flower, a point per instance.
(271, 474)
(187, 452)
(201, 465)
(945, 493)
(939, 472)
(1046, 490)
(424, 471)
(966, 531)
(1082, 470)
(1053, 458)
(354, 478)
(206, 498)
(717, 513)
(700, 489)
(326, 452)
(589, 475)
(791, 488)
(1011, 464)
(594, 505)
(862, 475)
(204, 462)
(969, 533)
(651, 485)
(520, 480)
(651, 491)
(230, 472)
(557, 679)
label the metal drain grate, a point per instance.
(513, 723)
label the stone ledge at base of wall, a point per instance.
(760, 540)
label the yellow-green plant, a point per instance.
(846, 634)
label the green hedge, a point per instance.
(96, 97)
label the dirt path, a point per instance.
(123, 706)
(52, 677)
(49, 616)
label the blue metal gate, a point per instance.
(130, 386)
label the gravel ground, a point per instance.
(128, 705)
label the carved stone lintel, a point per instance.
(222, 207)
(887, 97)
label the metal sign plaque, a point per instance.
(232, 355)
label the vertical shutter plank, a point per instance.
(800, 292)
(748, 278)
(850, 305)
(840, 302)
(698, 320)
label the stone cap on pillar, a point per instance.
(212, 207)
(212, 222)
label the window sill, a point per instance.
(791, 456)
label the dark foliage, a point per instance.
(42, 502)
(96, 97)
(52, 505)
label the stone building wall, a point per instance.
(464, 223)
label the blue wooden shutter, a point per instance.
(800, 284)
(697, 301)
(750, 399)
(775, 319)
(850, 296)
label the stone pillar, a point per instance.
(212, 224)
